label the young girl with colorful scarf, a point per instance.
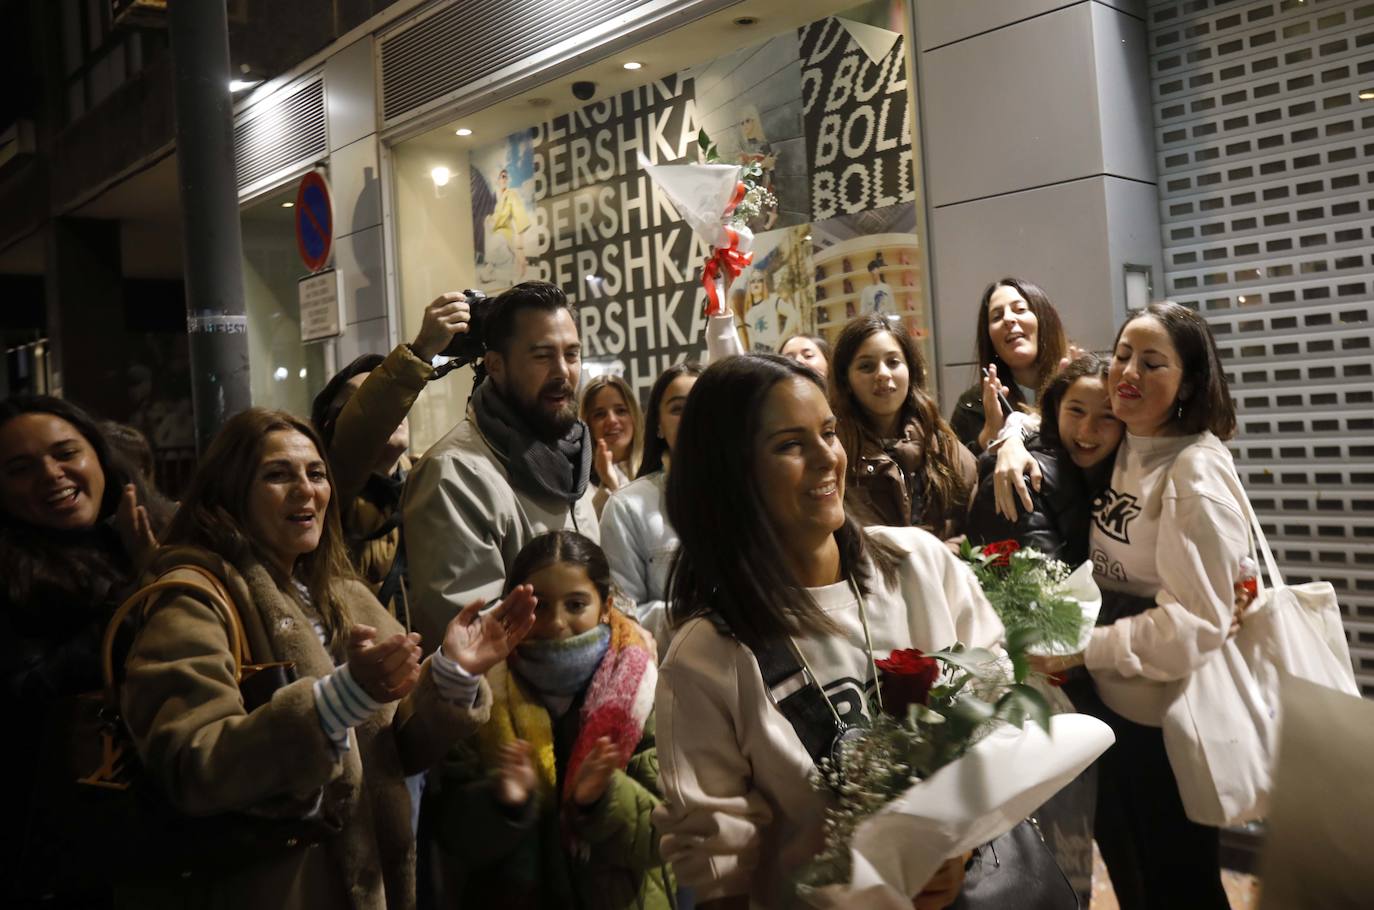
(550, 805)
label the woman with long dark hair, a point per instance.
(74, 524)
(635, 532)
(335, 743)
(769, 560)
(1020, 342)
(906, 467)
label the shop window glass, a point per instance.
(562, 195)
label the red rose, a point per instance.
(906, 678)
(1000, 551)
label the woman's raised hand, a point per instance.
(478, 640)
(515, 777)
(446, 316)
(386, 670)
(134, 527)
(993, 418)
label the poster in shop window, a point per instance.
(823, 109)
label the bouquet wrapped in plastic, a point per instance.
(716, 200)
(961, 750)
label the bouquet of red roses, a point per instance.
(948, 763)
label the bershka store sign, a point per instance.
(822, 109)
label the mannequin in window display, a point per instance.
(506, 228)
(877, 297)
(754, 148)
(768, 318)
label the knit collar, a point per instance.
(560, 470)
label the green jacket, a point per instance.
(519, 859)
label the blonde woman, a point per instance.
(611, 412)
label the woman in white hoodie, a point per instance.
(1167, 540)
(769, 559)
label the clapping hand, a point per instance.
(478, 640)
(386, 670)
(448, 315)
(594, 774)
(515, 777)
(605, 467)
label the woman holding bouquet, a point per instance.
(1167, 540)
(769, 560)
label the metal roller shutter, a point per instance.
(1266, 176)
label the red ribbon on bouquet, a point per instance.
(726, 262)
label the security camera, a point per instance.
(583, 91)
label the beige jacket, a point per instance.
(740, 815)
(465, 524)
(186, 716)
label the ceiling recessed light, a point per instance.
(538, 102)
(462, 131)
(1241, 298)
(1367, 94)
(288, 205)
(440, 176)
(631, 65)
(747, 20)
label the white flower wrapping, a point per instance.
(1080, 588)
(705, 197)
(999, 782)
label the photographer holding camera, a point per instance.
(361, 416)
(516, 467)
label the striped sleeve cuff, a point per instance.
(342, 705)
(453, 682)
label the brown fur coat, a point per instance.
(185, 713)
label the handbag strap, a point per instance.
(1259, 545)
(195, 579)
(793, 690)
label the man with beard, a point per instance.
(517, 466)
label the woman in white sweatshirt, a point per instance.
(635, 532)
(1167, 540)
(767, 556)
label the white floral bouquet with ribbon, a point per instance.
(716, 200)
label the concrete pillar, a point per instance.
(1039, 161)
(355, 179)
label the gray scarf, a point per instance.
(557, 471)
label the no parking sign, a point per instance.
(314, 221)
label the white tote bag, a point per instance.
(1221, 731)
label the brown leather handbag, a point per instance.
(116, 821)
